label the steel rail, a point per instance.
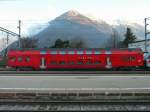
(55, 106)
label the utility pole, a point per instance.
(3, 40)
(146, 33)
(7, 39)
(19, 27)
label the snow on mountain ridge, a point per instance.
(74, 15)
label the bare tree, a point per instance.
(78, 42)
(27, 42)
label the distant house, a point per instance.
(140, 44)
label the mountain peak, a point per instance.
(75, 16)
(72, 13)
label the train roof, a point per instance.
(66, 49)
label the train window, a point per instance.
(62, 62)
(62, 52)
(70, 52)
(12, 59)
(27, 59)
(128, 58)
(53, 52)
(88, 52)
(79, 52)
(20, 59)
(97, 52)
(53, 62)
(80, 62)
(97, 62)
(72, 62)
(89, 62)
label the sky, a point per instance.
(42, 11)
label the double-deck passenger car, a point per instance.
(75, 58)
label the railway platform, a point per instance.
(119, 92)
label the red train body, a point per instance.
(75, 58)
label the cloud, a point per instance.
(6, 0)
(135, 13)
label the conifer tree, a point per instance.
(129, 37)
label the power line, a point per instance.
(8, 31)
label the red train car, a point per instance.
(75, 58)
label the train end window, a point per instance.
(19, 59)
(97, 52)
(71, 52)
(80, 52)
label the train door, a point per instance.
(88, 58)
(42, 62)
(108, 60)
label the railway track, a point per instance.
(84, 106)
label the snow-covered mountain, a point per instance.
(74, 26)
